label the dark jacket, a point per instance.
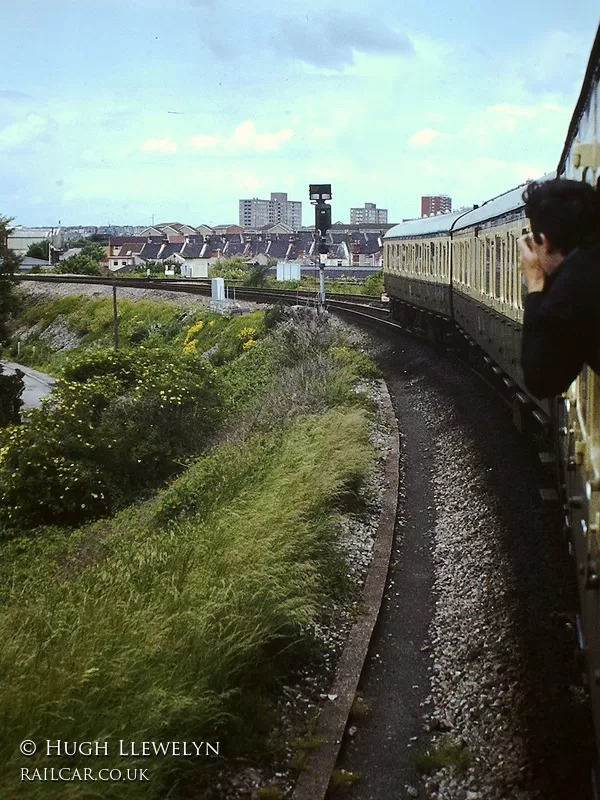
(561, 325)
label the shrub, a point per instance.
(117, 422)
(11, 388)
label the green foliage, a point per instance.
(446, 755)
(99, 238)
(234, 268)
(117, 422)
(343, 779)
(9, 264)
(374, 284)
(174, 618)
(94, 251)
(241, 334)
(151, 627)
(275, 315)
(258, 276)
(11, 388)
(79, 264)
(39, 250)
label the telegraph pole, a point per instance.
(115, 316)
(319, 193)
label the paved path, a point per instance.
(37, 384)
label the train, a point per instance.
(455, 279)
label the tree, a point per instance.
(93, 250)
(11, 389)
(11, 386)
(39, 250)
(232, 269)
(9, 263)
(79, 264)
(258, 276)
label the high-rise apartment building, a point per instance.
(255, 213)
(432, 204)
(369, 214)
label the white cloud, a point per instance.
(204, 141)
(424, 138)
(23, 132)
(244, 137)
(159, 145)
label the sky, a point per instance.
(124, 111)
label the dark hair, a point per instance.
(568, 212)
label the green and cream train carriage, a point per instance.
(456, 278)
(580, 425)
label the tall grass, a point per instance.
(171, 621)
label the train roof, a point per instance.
(491, 209)
(441, 223)
(495, 208)
(498, 206)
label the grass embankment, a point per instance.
(44, 325)
(175, 618)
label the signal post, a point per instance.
(319, 193)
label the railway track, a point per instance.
(203, 287)
(468, 637)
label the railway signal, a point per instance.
(319, 193)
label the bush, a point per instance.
(116, 423)
(374, 284)
(11, 389)
(79, 264)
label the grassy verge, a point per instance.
(177, 618)
(158, 624)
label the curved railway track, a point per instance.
(466, 636)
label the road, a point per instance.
(37, 384)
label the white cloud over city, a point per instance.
(218, 101)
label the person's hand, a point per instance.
(530, 263)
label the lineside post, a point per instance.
(319, 193)
(115, 317)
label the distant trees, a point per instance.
(87, 262)
(234, 268)
(9, 263)
(11, 386)
(39, 250)
(258, 276)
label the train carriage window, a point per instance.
(498, 271)
(488, 268)
(583, 387)
(514, 272)
(507, 269)
(444, 260)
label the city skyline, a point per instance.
(384, 101)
